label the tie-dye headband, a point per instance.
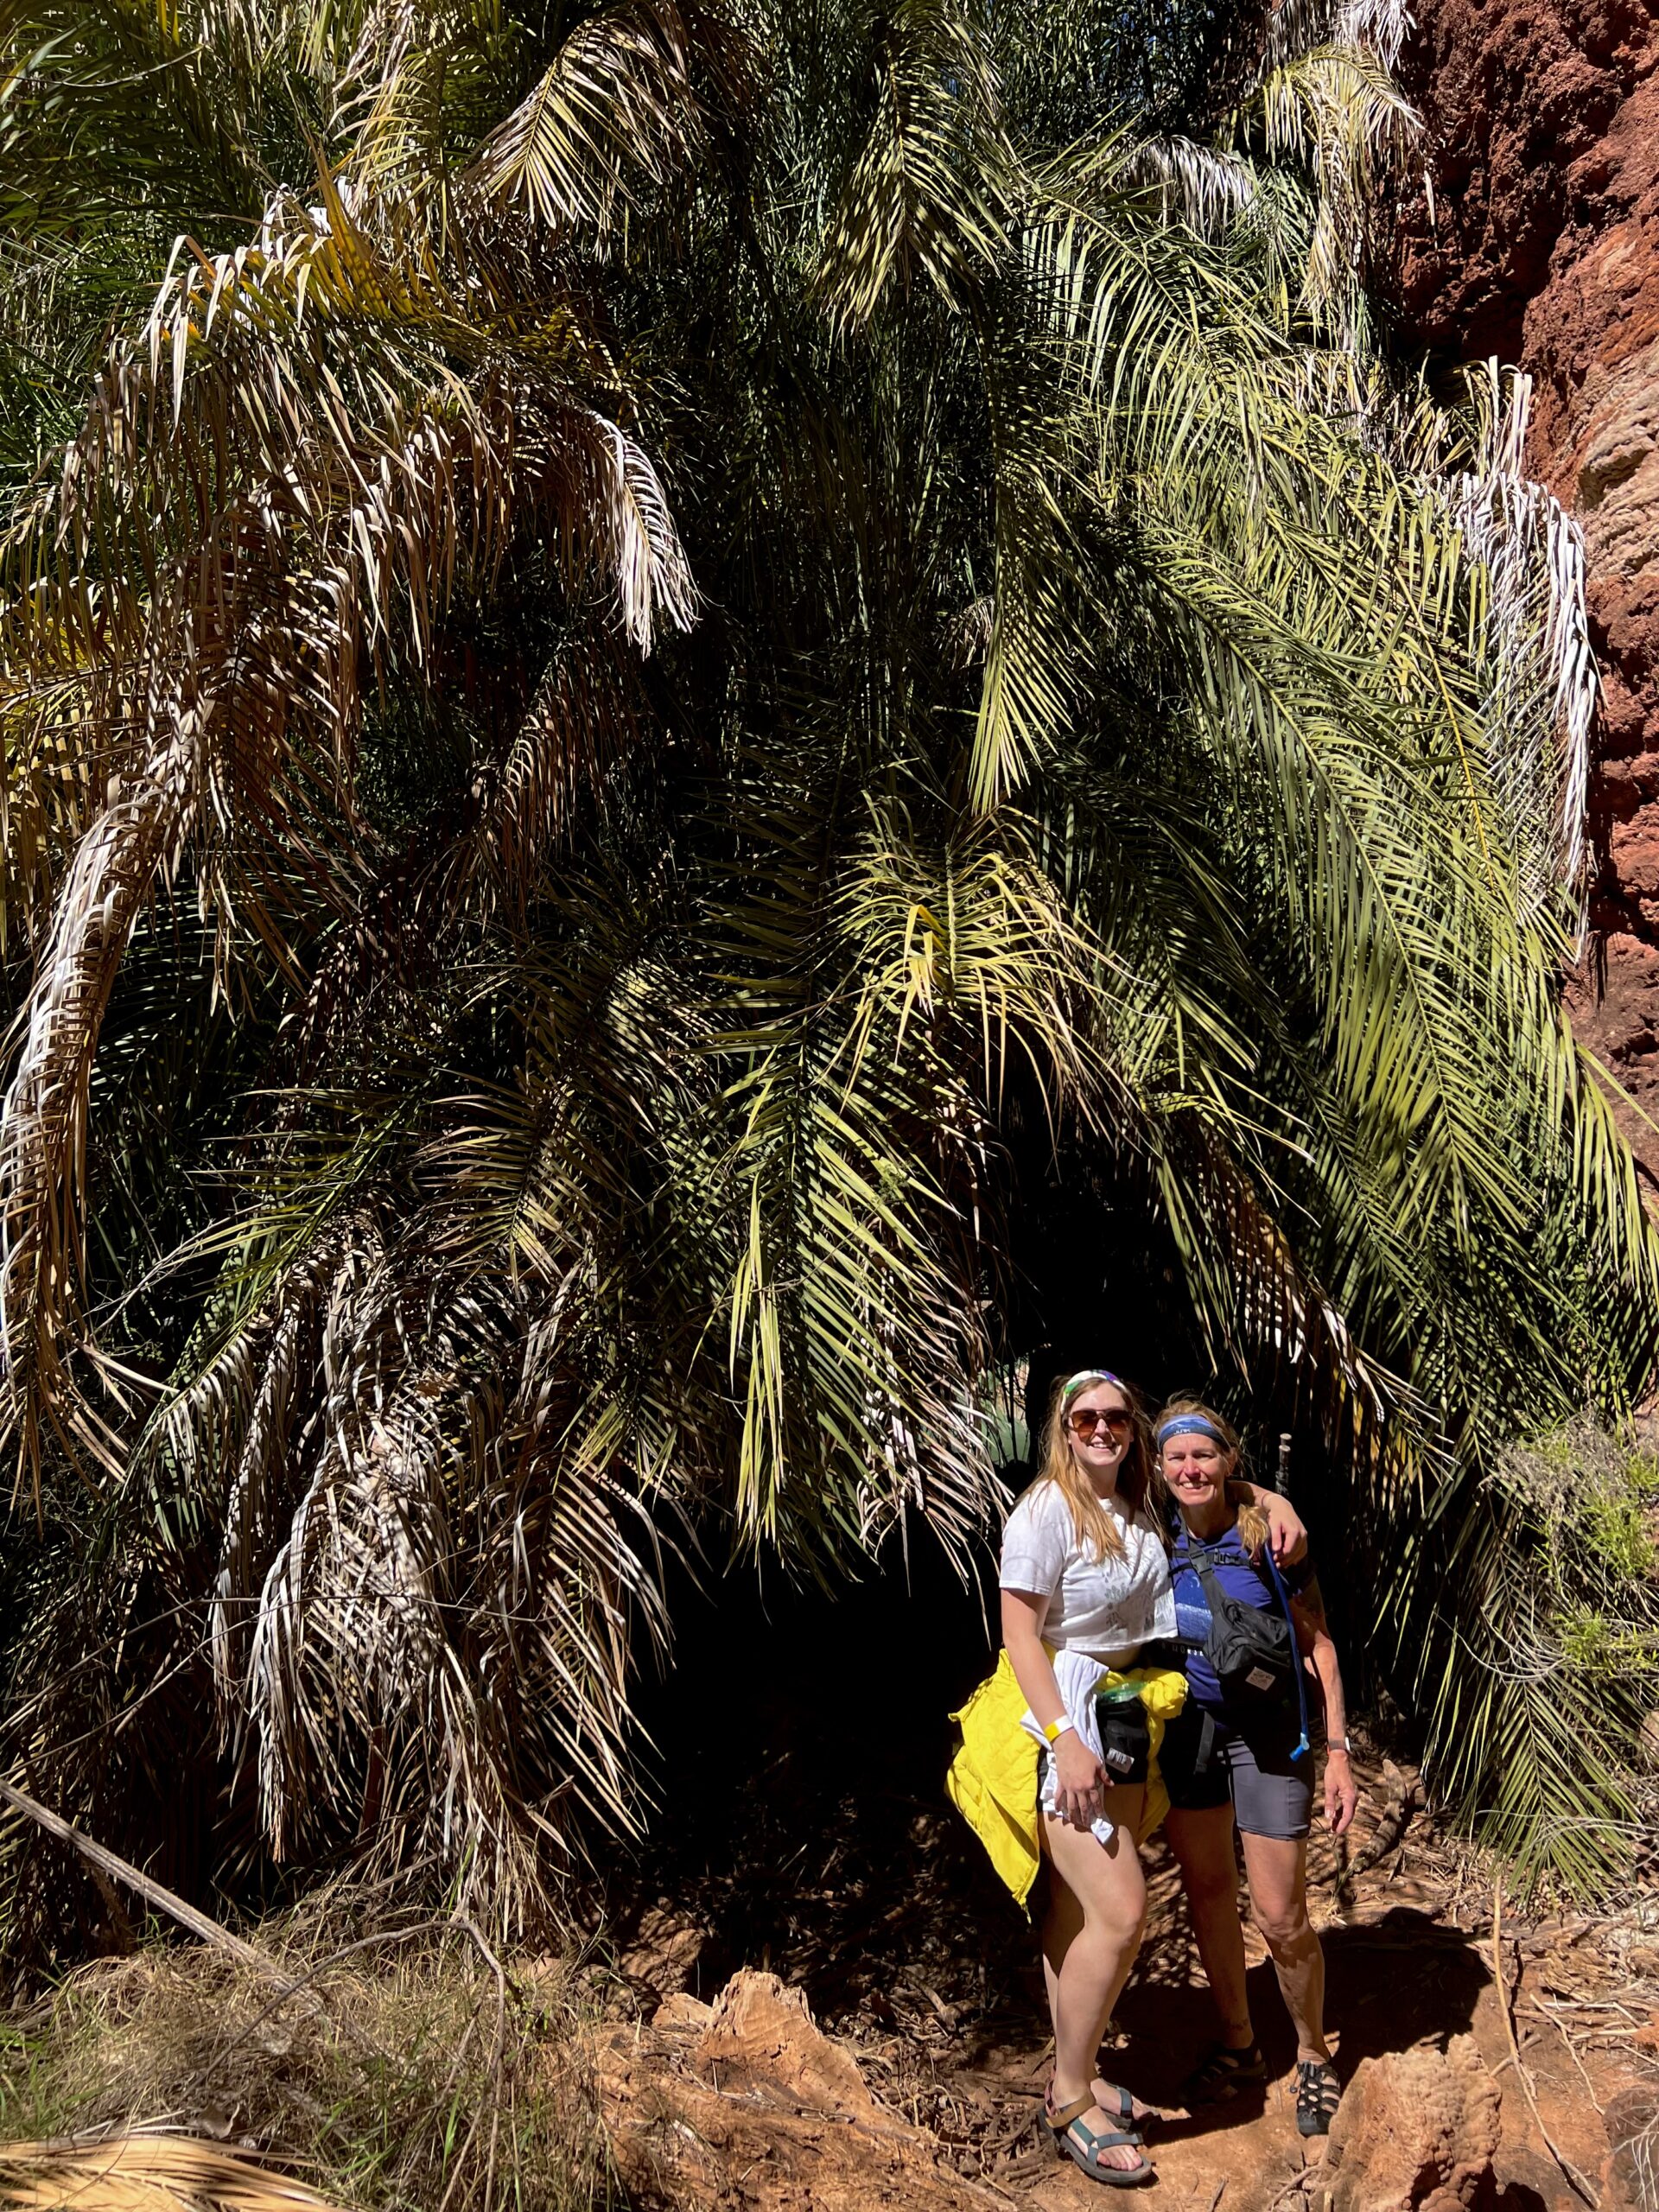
(1084, 1377)
(1190, 1425)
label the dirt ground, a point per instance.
(723, 2102)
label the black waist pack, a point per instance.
(1125, 1737)
(1253, 1652)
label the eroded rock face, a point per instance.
(746, 2103)
(760, 2029)
(1416, 2131)
(1542, 144)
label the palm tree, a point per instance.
(670, 629)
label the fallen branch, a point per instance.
(1576, 2181)
(1300, 2189)
(113, 1867)
(1539, 2013)
(108, 1866)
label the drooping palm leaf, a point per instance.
(673, 641)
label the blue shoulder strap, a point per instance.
(1295, 1648)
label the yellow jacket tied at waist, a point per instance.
(993, 1777)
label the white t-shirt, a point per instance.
(1107, 1607)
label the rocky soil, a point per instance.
(1539, 243)
(919, 2081)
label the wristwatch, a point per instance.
(1338, 1744)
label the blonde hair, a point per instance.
(1252, 1521)
(1096, 1531)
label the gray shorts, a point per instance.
(1205, 1759)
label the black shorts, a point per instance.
(1206, 1759)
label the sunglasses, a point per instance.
(1086, 1420)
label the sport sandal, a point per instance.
(1083, 2145)
(1318, 2094)
(1112, 2099)
(1222, 2072)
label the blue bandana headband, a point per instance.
(1190, 1425)
(1084, 1377)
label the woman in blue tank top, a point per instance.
(1239, 1756)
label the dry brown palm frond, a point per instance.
(1202, 186)
(1545, 681)
(43, 1151)
(1377, 27)
(244, 532)
(240, 1412)
(138, 2172)
(583, 718)
(428, 1603)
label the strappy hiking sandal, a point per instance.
(1222, 2072)
(1111, 2098)
(1083, 2145)
(1318, 2094)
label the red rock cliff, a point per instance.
(1541, 142)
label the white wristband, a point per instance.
(1055, 1729)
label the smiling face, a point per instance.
(1196, 1469)
(1100, 1428)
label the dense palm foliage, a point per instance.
(675, 638)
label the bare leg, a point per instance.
(1277, 1866)
(1097, 1908)
(1203, 1844)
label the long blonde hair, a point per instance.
(1252, 1521)
(1096, 1531)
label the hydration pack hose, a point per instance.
(1295, 1648)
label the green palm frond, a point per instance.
(928, 193)
(615, 119)
(679, 652)
(1337, 112)
(1524, 1599)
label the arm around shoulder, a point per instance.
(1287, 1532)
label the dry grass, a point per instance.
(408, 2069)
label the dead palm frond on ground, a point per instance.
(661, 629)
(145, 2173)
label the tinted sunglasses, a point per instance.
(1087, 1419)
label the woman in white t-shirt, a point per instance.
(1085, 1573)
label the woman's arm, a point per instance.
(1078, 1772)
(1285, 1531)
(1313, 1635)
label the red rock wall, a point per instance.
(1541, 142)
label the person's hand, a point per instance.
(1341, 1792)
(1285, 1531)
(1079, 1778)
